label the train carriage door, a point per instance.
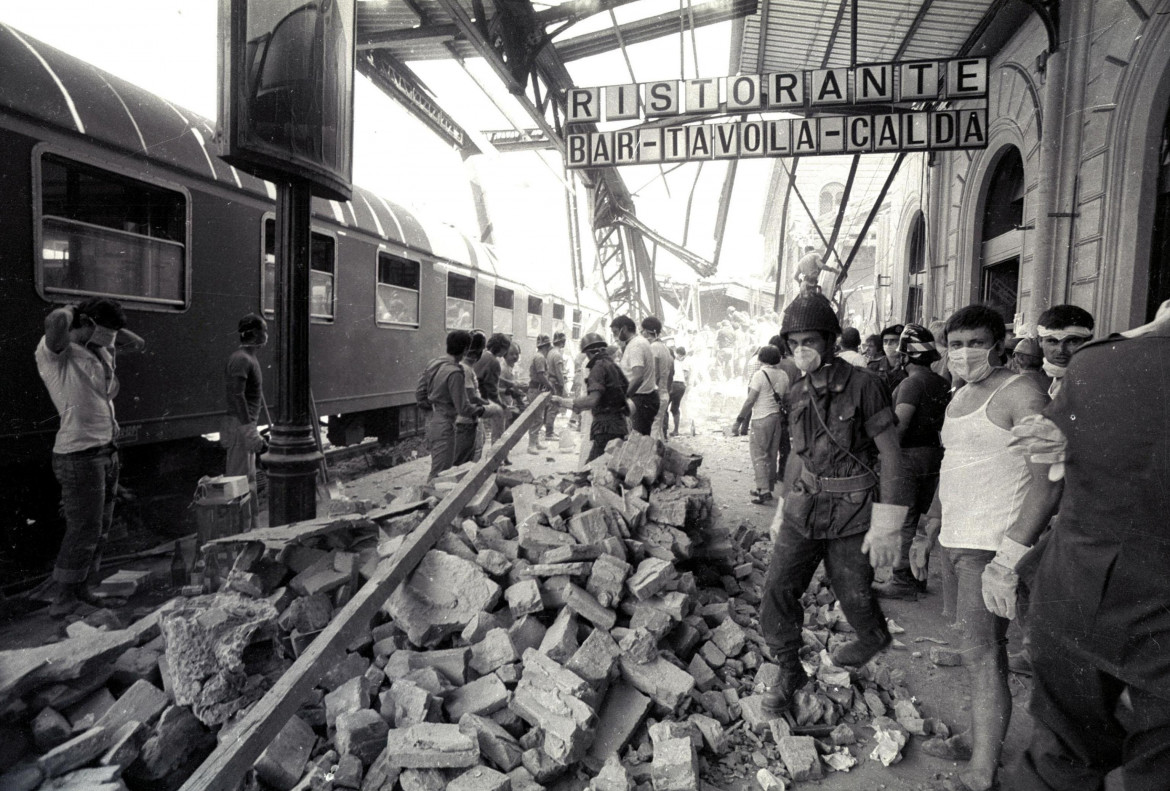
(1002, 247)
(1160, 248)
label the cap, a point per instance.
(917, 343)
(542, 340)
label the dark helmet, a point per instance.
(810, 312)
(558, 338)
(917, 343)
(542, 341)
(592, 340)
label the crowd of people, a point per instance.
(1034, 468)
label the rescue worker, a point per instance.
(1097, 617)
(1061, 330)
(539, 382)
(442, 391)
(244, 394)
(558, 376)
(605, 396)
(638, 366)
(663, 373)
(888, 366)
(841, 425)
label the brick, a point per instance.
(652, 576)
(589, 527)
(585, 605)
(452, 663)
(638, 646)
(635, 510)
(524, 497)
(581, 569)
(712, 654)
(350, 666)
(495, 650)
(482, 696)
(639, 460)
(524, 598)
(945, 657)
(527, 632)
(511, 477)
(431, 745)
(349, 697)
(799, 754)
(621, 713)
(679, 462)
(177, 736)
(478, 627)
(320, 577)
(675, 766)
(496, 510)
(662, 681)
(560, 641)
(101, 778)
(440, 597)
(408, 704)
(654, 620)
(596, 657)
(484, 496)
(714, 738)
(730, 637)
(362, 734)
(571, 553)
(553, 504)
(701, 672)
(50, 728)
(422, 780)
(75, 752)
(522, 780)
(283, 761)
(347, 774)
(142, 702)
(536, 539)
(496, 745)
(493, 562)
(125, 745)
(382, 775)
(480, 778)
(607, 579)
(552, 592)
(455, 545)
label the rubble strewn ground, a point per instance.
(574, 629)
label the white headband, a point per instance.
(1072, 331)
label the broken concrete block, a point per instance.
(50, 728)
(125, 745)
(552, 591)
(482, 696)
(712, 654)
(612, 777)
(589, 527)
(652, 576)
(675, 766)
(362, 734)
(480, 778)
(283, 761)
(431, 745)
(945, 657)
(799, 754)
(536, 539)
(651, 618)
(522, 780)
(639, 460)
(889, 739)
(712, 731)
(560, 641)
(701, 672)
(638, 647)
(661, 680)
(484, 496)
(134, 664)
(322, 576)
(769, 782)
(101, 778)
(406, 704)
(496, 745)
(75, 752)
(206, 637)
(440, 598)
(178, 735)
(382, 775)
(607, 579)
(843, 735)
(589, 608)
(527, 632)
(307, 614)
(730, 637)
(553, 504)
(571, 553)
(422, 780)
(493, 651)
(524, 598)
(347, 776)
(142, 702)
(596, 657)
(349, 697)
(580, 569)
(350, 666)
(493, 562)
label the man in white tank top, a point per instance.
(983, 488)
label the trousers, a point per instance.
(645, 410)
(794, 560)
(764, 444)
(241, 441)
(917, 486)
(1086, 723)
(89, 483)
(440, 441)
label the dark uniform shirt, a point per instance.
(854, 407)
(1103, 583)
(487, 371)
(609, 415)
(890, 374)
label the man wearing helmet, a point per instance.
(841, 425)
(605, 395)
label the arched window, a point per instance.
(830, 199)
(1003, 216)
(916, 269)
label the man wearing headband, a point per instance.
(1061, 330)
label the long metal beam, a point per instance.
(378, 39)
(651, 28)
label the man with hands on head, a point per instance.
(841, 426)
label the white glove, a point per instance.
(883, 540)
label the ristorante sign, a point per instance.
(813, 94)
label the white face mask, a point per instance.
(806, 359)
(102, 336)
(1053, 370)
(969, 364)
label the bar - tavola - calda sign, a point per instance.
(884, 85)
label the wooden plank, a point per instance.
(224, 768)
(277, 537)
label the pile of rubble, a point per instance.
(593, 630)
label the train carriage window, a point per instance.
(322, 271)
(576, 324)
(535, 316)
(398, 285)
(460, 302)
(502, 310)
(103, 233)
(558, 314)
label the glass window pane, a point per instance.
(558, 311)
(397, 305)
(502, 320)
(322, 264)
(535, 304)
(460, 287)
(505, 297)
(460, 314)
(86, 259)
(320, 295)
(533, 325)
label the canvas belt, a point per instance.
(854, 483)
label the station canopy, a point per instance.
(461, 64)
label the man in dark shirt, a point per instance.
(920, 404)
(605, 395)
(841, 426)
(1097, 618)
(888, 367)
(539, 382)
(487, 370)
(244, 390)
(443, 387)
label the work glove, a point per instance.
(920, 550)
(1042, 442)
(777, 519)
(1000, 578)
(883, 540)
(252, 439)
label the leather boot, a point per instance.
(777, 699)
(857, 652)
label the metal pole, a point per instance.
(292, 457)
